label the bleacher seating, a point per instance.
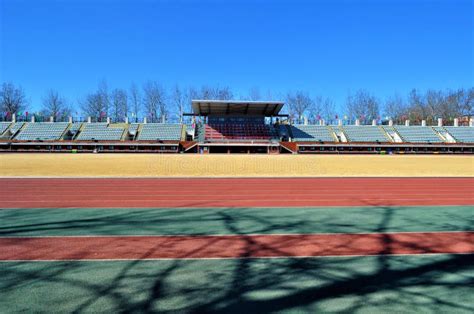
(133, 128)
(42, 131)
(284, 131)
(75, 127)
(200, 132)
(418, 134)
(311, 133)
(99, 132)
(232, 131)
(4, 126)
(462, 134)
(160, 131)
(238, 131)
(190, 126)
(16, 127)
(364, 133)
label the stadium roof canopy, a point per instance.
(236, 107)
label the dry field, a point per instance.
(151, 165)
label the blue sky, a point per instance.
(326, 47)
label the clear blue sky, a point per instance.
(325, 47)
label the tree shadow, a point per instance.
(374, 283)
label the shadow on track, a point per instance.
(377, 283)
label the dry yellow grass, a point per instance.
(148, 165)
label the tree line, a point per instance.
(159, 104)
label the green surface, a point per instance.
(413, 284)
(378, 284)
(40, 222)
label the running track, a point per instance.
(271, 192)
(234, 246)
(235, 192)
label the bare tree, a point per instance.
(97, 104)
(430, 105)
(460, 102)
(93, 106)
(220, 93)
(102, 91)
(298, 103)
(395, 108)
(466, 101)
(321, 108)
(436, 106)
(224, 93)
(12, 99)
(55, 106)
(254, 94)
(315, 109)
(155, 101)
(416, 107)
(119, 104)
(269, 95)
(328, 109)
(135, 101)
(362, 105)
(206, 92)
(181, 101)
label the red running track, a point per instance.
(234, 246)
(234, 192)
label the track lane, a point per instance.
(234, 192)
(234, 246)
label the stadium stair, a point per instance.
(443, 134)
(61, 138)
(393, 133)
(183, 132)
(139, 130)
(343, 134)
(125, 131)
(389, 138)
(338, 134)
(81, 128)
(4, 126)
(292, 147)
(333, 134)
(201, 135)
(15, 129)
(443, 138)
(188, 145)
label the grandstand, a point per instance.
(133, 129)
(4, 126)
(237, 126)
(100, 132)
(234, 127)
(75, 127)
(365, 133)
(418, 134)
(237, 120)
(237, 131)
(160, 132)
(312, 133)
(461, 134)
(42, 131)
(15, 127)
